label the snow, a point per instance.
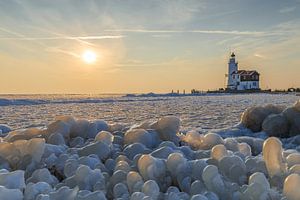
(194, 149)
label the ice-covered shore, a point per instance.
(76, 159)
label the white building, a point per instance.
(241, 79)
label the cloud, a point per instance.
(222, 32)
(287, 9)
(94, 37)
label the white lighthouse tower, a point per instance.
(232, 67)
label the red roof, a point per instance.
(245, 72)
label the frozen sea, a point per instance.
(206, 112)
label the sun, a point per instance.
(89, 56)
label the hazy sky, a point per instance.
(145, 45)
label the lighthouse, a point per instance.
(241, 80)
(232, 68)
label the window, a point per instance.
(254, 83)
(233, 76)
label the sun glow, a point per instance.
(89, 57)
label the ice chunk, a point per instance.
(85, 178)
(218, 152)
(81, 128)
(291, 187)
(244, 149)
(32, 190)
(151, 168)
(261, 179)
(99, 148)
(176, 164)
(137, 196)
(42, 175)
(60, 127)
(272, 154)
(234, 168)
(167, 128)
(12, 180)
(138, 136)
(97, 195)
(212, 180)
(134, 149)
(253, 117)
(199, 197)
(210, 140)
(9, 194)
(293, 116)
(26, 134)
(133, 178)
(56, 139)
(105, 137)
(150, 188)
(276, 125)
(63, 193)
(293, 159)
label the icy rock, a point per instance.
(162, 152)
(218, 152)
(137, 196)
(199, 197)
(197, 168)
(291, 187)
(295, 169)
(234, 168)
(255, 164)
(213, 180)
(293, 159)
(63, 193)
(76, 142)
(56, 139)
(176, 164)
(120, 191)
(197, 187)
(123, 165)
(32, 190)
(85, 178)
(138, 136)
(134, 149)
(132, 178)
(42, 175)
(193, 138)
(150, 188)
(256, 144)
(96, 127)
(293, 116)
(167, 128)
(26, 134)
(97, 195)
(92, 161)
(210, 140)
(261, 179)
(244, 149)
(16, 152)
(105, 137)
(231, 144)
(276, 125)
(151, 168)
(272, 154)
(81, 128)
(61, 127)
(253, 117)
(9, 194)
(99, 148)
(12, 180)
